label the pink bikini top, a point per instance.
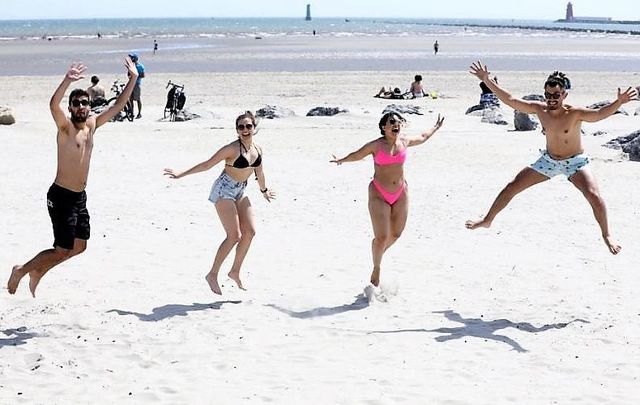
(383, 158)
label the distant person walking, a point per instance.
(136, 95)
(67, 199)
(436, 47)
(561, 124)
(155, 46)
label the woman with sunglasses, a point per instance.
(242, 158)
(388, 191)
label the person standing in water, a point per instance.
(388, 191)
(242, 158)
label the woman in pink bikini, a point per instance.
(388, 192)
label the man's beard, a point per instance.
(79, 118)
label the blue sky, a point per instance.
(517, 9)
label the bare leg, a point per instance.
(41, 264)
(523, 180)
(248, 231)
(139, 109)
(229, 218)
(399, 213)
(380, 213)
(586, 183)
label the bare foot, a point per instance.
(213, 283)
(14, 278)
(483, 223)
(34, 280)
(375, 276)
(235, 276)
(612, 245)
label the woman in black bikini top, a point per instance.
(227, 193)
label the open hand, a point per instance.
(628, 95)
(172, 174)
(439, 123)
(76, 71)
(335, 160)
(269, 195)
(479, 70)
(132, 71)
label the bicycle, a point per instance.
(175, 100)
(127, 111)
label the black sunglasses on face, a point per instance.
(243, 126)
(77, 103)
(392, 121)
(553, 96)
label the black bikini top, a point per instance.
(241, 161)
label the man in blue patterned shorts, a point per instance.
(564, 154)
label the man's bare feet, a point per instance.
(212, 280)
(483, 223)
(612, 245)
(375, 276)
(235, 276)
(34, 280)
(14, 278)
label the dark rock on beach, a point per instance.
(273, 111)
(629, 144)
(326, 111)
(604, 103)
(493, 115)
(6, 116)
(524, 122)
(534, 97)
(402, 109)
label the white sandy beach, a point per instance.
(534, 310)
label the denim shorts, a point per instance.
(551, 167)
(226, 188)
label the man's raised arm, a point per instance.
(589, 115)
(111, 112)
(481, 72)
(73, 74)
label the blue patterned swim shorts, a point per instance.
(551, 167)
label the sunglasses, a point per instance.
(393, 121)
(77, 103)
(553, 96)
(243, 126)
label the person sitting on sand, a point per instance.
(487, 97)
(561, 124)
(388, 93)
(388, 191)
(67, 199)
(417, 90)
(242, 158)
(96, 92)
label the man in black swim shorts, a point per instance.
(66, 199)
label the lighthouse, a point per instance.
(569, 16)
(308, 18)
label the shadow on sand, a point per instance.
(360, 302)
(171, 310)
(479, 328)
(19, 337)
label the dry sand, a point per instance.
(532, 311)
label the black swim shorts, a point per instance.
(69, 215)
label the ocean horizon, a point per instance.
(276, 27)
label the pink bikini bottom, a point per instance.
(389, 197)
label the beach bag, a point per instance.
(181, 100)
(170, 95)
